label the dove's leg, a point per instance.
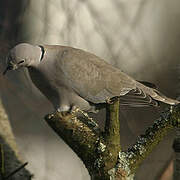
(63, 111)
(69, 102)
(64, 108)
(111, 100)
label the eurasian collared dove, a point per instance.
(71, 77)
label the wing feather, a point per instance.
(91, 77)
(97, 81)
(138, 98)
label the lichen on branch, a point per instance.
(101, 151)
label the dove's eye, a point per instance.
(20, 62)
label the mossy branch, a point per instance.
(112, 137)
(77, 135)
(131, 159)
(98, 151)
(101, 152)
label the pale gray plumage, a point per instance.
(71, 77)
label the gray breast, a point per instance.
(43, 83)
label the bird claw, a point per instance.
(109, 101)
(50, 116)
(60, 113)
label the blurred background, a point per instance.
(141, 37)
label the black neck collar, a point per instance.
(42, 52)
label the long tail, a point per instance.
(156, 95)
(161, 97)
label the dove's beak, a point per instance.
(11, 66)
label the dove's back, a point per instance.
(72, 77)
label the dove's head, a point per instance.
(22, 55)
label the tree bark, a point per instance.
(101, 152)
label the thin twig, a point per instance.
(15, 171)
